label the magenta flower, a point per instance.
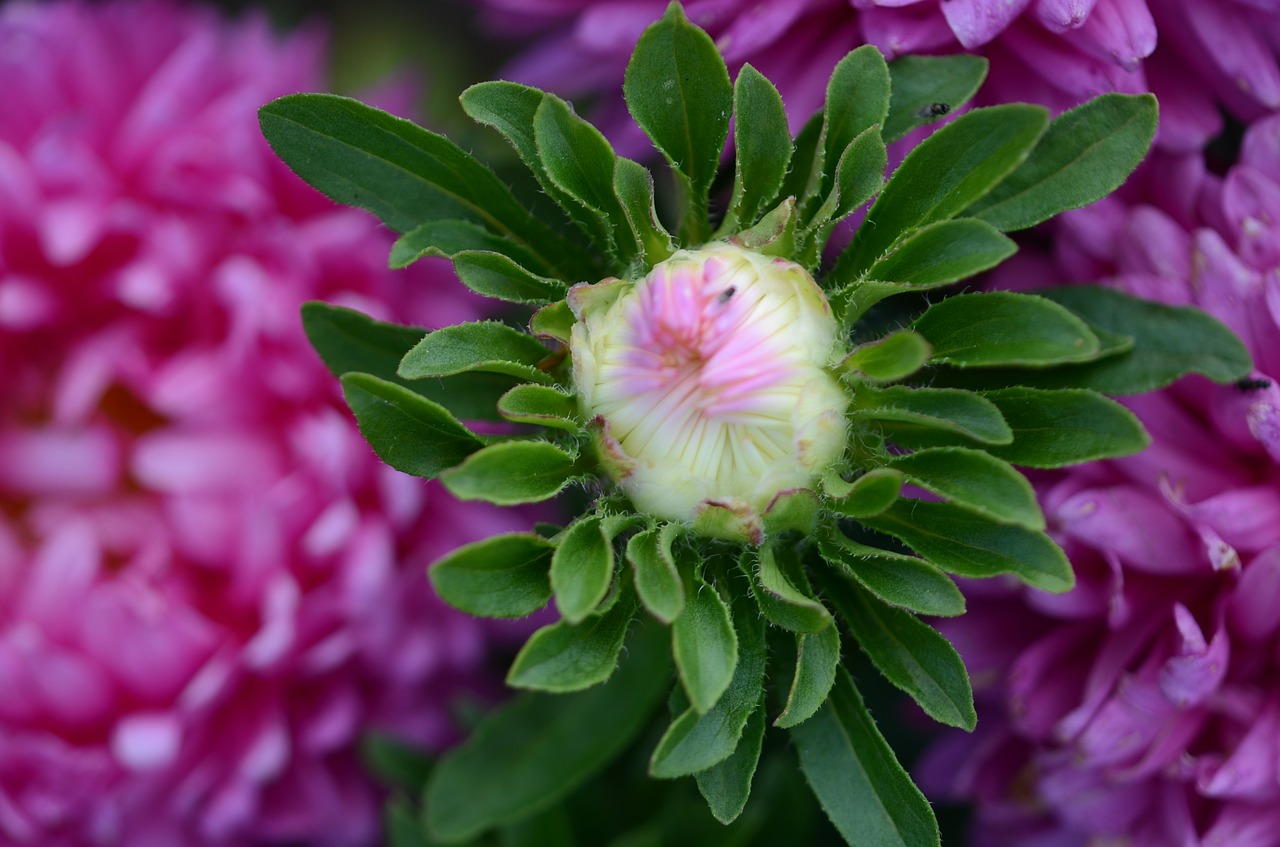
(1056, 52)
(1144, 706)
(209, 586)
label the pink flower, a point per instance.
(1194, 54)
(708, 379)
(209, 586)
(1144, 706)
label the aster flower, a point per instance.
(210, 589)
(1055, 52)
(752, 475)
(1141, 707)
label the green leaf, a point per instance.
(775, 233)
(897, 355)
(567, 656)
(705, 647)
(1003, 328)
(924, 88)
(582, 569)
(942, 176)
(1169, 342)
(975, 479)
(511, 108)
(970, 544)
(1053, 429)
(447, 238)
(695, 742)
(580, 161)
(540, 404)
(478, 346)
(407, 431)
(511, 472)
(531, 752)
(362, 156)
(857, 99)
(869, 494)
(910, 654)
(856, 177)
(817, 657)
(1085, 154)
(503, 576)
(657, 580)
(905, 581)
(763, 144)
(806, 163)
(633, 185)
(783, 603)
(350, 341)
(727, 785)
(942, 253)
(948, 409)
(553, 321)
(495, 275)
(858, 781)
(677, 88)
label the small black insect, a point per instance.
(933, 110)
(726, 295)
(1252, 384)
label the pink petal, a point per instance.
(1062, 15)
(1120, 31)
(1197, 668)
(975, 22)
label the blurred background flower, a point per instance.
(210, 587)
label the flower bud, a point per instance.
(706, 381)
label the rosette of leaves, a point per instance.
(948, 393)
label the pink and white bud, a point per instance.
(707, 380)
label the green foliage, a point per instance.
(852, 770)
(946, 394)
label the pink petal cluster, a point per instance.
(1194, 54)
(1144, 706)
(209, 586)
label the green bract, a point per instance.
(942, 394)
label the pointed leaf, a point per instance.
(763, 144)
(447, 238)
(657, 581)
(782, 602)
(970, 544)
(566, 656)
(857, 99)
(677, 88)
(727, 785)
(944, 174)
(869, 494)
(897, 355)
(407, 431)
(540, 404)
(495, 275)
(925, 88)
(705, 647)
(947, 409)
(504, 576)
(696, 742)
(580, 161)
(1086, 153)
(582, 569)
(858, 781)
(975, 479)
(553, 321)
(511, 472)
(910, 654)
(1003, 328)
(1169, 341)
(905, 581)
(633, 186)
(479, 346)
(943, 253)
(817, 657)
(539, 747)
(1053, 429)
(362, 156)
